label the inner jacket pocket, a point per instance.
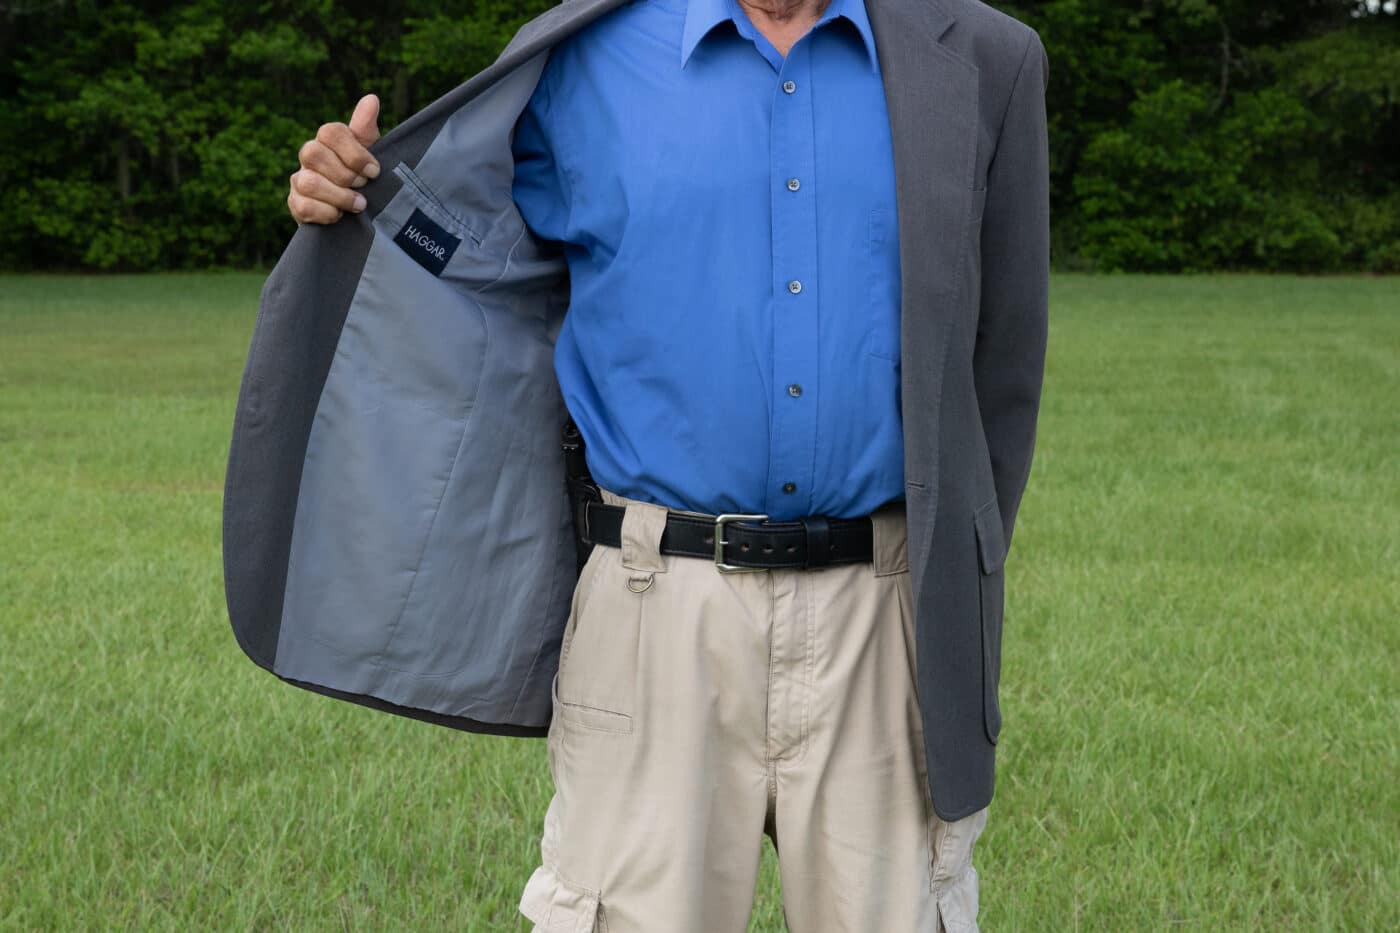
(424, 197)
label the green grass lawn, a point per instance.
(1201, 683)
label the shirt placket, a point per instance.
(793, 189)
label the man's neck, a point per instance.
(783, 22)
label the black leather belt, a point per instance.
(744, 542)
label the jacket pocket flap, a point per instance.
(991, 543)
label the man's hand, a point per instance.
(333, 165)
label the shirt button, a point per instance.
(794, 286)
(789, 487)
(794, 184)
(794, 390)
(789, 87)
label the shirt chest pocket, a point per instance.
(881, 306)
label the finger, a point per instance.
(311, 185)
(316, 156)
(364, 121)
(306, 211)
(338, 138)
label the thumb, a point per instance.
(363, 121)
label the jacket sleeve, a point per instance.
(1009, 358)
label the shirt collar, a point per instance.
(703, 15)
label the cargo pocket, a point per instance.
(957, 905)
(991, 558)
(954, 877)
(558, 906)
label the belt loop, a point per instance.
(817, 531)
(890, 539)
(643, 524)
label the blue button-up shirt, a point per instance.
(728, 219)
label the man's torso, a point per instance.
(728, 215)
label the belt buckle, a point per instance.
(720, 522)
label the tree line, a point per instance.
(1186, 135)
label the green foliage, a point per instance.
(1179, 189)
(435, 46)
(1185, 134)
(1274, 146)
(160, 135)
(1101, 57)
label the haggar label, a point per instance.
(427, 243)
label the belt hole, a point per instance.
(744, 546)
(709, 539)
(768, 549)
(792, 549)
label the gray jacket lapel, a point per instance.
(931, 93)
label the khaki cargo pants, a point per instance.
(695, 711)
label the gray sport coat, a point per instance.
(396, 530)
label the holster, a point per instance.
(580, 486)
